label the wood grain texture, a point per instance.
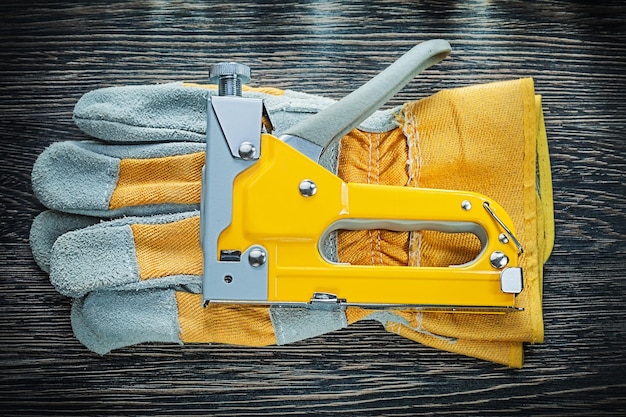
(53, 52)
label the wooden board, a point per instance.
(53, 52)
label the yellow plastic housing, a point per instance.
(269, 210)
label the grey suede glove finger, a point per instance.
(177, 112)
(174, 112)
(83, 257)
(107, 320)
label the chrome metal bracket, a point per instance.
(233, 145)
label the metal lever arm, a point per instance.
(335, 121)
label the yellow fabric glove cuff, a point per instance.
(488, 139)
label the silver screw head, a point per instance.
(229, 77)
(222, 69)
(257, 257)
(247, 150)
(307, 188)
(466, 205)
(498, 259)
(503, 238)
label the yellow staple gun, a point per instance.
(268, 206)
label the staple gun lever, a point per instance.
(268, 207)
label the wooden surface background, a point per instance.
(52, 52)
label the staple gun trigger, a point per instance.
(268, 206)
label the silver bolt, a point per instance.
(307, 188)
(466, 205)
(247, 150)
(257, 257)
(503, 238)
(229, 76)
(498, 259)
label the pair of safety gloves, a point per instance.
(122, 233)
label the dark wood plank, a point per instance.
(52, 52)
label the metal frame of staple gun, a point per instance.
(267, 206)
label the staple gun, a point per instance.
(268, 206)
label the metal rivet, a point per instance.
(257, 257)
(307, 188)
(498, 259)
(503, 238)
(228, 279)
(247, 150)
(466, 205)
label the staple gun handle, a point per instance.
(332, 123)
(414, 210)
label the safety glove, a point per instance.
(136, 277)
